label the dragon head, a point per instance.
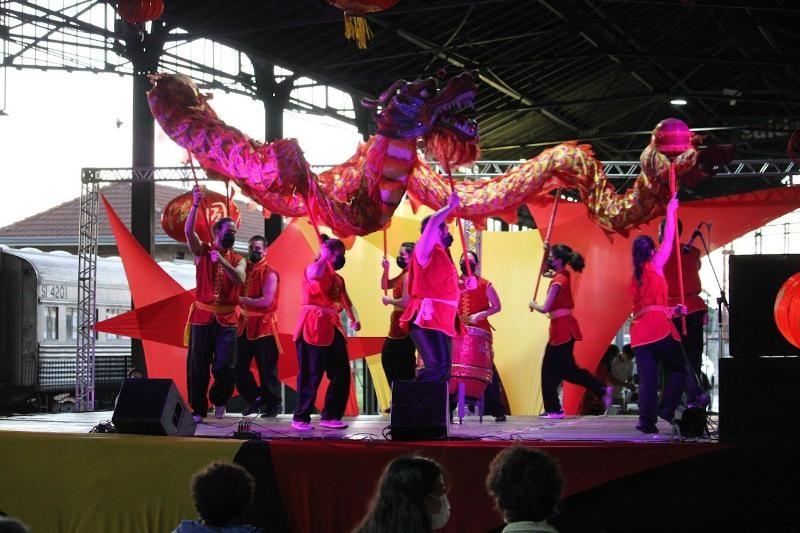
(409, 110)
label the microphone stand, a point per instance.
(722, 301)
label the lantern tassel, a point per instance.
(356, 29)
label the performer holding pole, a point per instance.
(559, 361)
(653, 335)
(432, 313)
(398, 356)
(213, 316)
(320, 338)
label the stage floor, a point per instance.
(619, 428)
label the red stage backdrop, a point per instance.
(602, 303)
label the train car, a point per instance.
(39, 327)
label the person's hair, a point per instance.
(568, 256)
(398, 505)
(9, 524)
(409, 246)
(221, 492)
(611, 352)
(472, 255)
(334, 245)
(255, 238)
(628, 349)
(526, 484)
(424, 223)
(219, 223)
(664, 223)
(642, 249)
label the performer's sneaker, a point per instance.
(219, 412)
(332, 424)
(271, 412)
(647, 428)
(299, 425)
(558, 415)
(253, 407)
(198, 419)
(500, 418)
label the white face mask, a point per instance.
(440, 518)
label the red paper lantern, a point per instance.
(173, 218)
(355, 25)
(787, 310)
(140, 11)
(672, 137)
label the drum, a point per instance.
(471, 362)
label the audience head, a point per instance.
(411, 496)
(525, 483)
(11, 525)
(221, 492)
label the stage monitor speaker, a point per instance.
(758, 400)
(755, 282)
(152, 407)
(420, 410)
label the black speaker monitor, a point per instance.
(420, 410)
(754, 284)
(152, 407)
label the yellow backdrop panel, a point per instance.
(510, 261)
(84, 483)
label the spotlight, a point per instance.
(678, 101)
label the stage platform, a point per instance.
(368, 427)
(58, 477)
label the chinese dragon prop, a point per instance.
(359, 196)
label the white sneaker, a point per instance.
(219, 411)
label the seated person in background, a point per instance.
(526, 485)
(622, 371)
(411, 497)
(221, 492)
(620, 379)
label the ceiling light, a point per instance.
(678, 101)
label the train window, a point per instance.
(51, 323)
(72, 323)
(110, 313)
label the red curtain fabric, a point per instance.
(602, 303)
(326, 486)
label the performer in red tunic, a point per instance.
(696, 317)
(213, 317)
(653, 335)
(432, 313)
(320, 339)
(257, 333)
(475, 307)
(398, 355)
(559, 362)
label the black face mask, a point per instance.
(402, 263)
(228, 239)
(338, 263)
(255, 256)
(447, 241)
(463, 265)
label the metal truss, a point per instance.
(87, 297)
(86, 35)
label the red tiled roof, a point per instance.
(60, 223)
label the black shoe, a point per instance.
(647, 428)
(271, 412)
(500, 418)
(253, 407)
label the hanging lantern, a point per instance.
(787, 310)
(355, 25)
(173, 218)
(140, 11)
(672, 137)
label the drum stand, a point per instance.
(462, 407)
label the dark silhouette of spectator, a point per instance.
(221, 492)
(11, 525)
(411, 497)
(526, 485)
